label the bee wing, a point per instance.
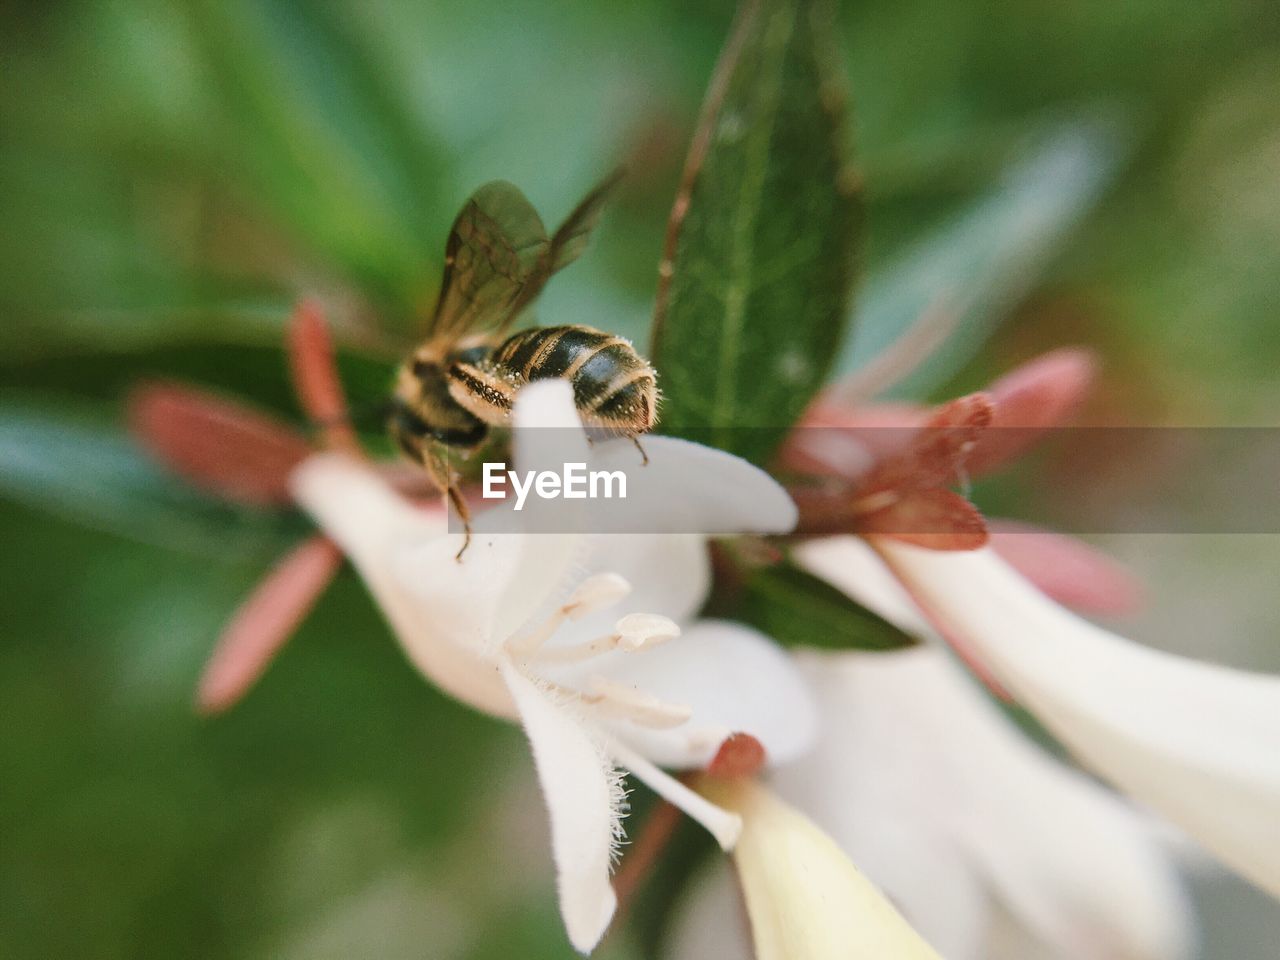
(567, 243)
(571, 237)
(496, 244)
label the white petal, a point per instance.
(919, 777)
(670, 575)
(504, 582)
(1077, 868)
(850, 565)
(1068, 859)
(546, 437)
(683, 488)
(376, 529)
(688, 488)
(547, 432)
(930, 881)
(735, 680)
(1198, 742)
(532, 552)
(507, 575)
(878, 781)
(378, 515)
(583, 796)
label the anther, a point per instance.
(637, 630)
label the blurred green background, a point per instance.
(172, 175)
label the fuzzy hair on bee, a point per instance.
(464, 378)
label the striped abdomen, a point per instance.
(613, 386)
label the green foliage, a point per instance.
(314, 131)
(799, 610)
(969, 273)
(172, 175)
(143, 830)
(756, 286)
(690, 857)
(56, 457)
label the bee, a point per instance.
(463, 379)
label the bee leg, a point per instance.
(464, 513)
(636, 440)
(445, 479)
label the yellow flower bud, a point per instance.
(805, 899)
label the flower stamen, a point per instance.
(722, 824)
(618, 700)
(580, 651)
(635, 631)
(594, 593)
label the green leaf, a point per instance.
(314, 134)
(84, 268)
(799, 610)
(973, 270)
(759, 266)
(56, 459)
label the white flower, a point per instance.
(991, 849)
(960, 819)
(1197, 742)
(575, 634)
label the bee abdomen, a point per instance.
(546, 353)
(612, 385)
(629, 403)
